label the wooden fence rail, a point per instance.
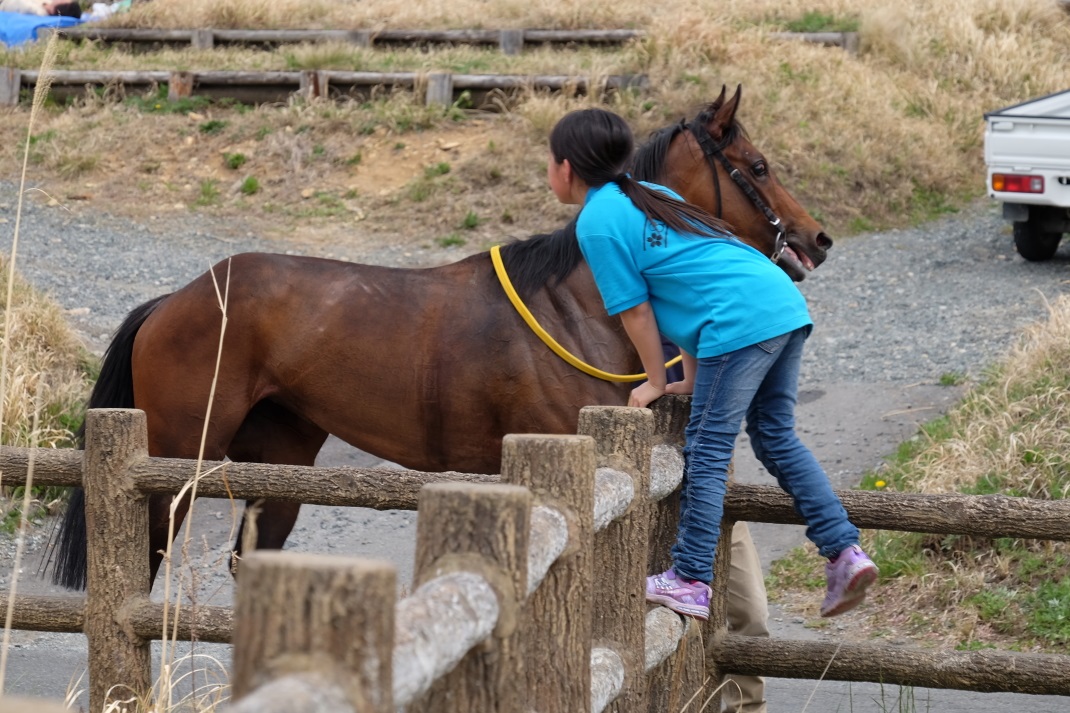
(510, 41)
(507, 568)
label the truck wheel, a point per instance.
(1033, 242)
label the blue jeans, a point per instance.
(759, 382)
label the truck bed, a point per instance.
(1031, 138)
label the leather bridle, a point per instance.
(714, 153)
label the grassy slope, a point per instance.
(890, 136)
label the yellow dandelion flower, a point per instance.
(880, 483)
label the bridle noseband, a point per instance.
(715, 151)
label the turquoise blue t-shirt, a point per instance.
(710, 295)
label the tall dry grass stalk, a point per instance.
(165, 701)
(20, 546)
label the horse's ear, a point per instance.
(719, 101)
(725, 112)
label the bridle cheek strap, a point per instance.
(715, 152)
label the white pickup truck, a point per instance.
(1027, 151)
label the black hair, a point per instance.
(598, 145)
(67, 9)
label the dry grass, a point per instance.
(44, 354)
(1009, 436)
(887, 137)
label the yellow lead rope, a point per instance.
(529, 318)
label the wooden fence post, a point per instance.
(10, 85)
(482, 529)
(511, 41)
(179, 86)
(202, 39)
(313, 84)
(360, 38)
(673, 684)
(556, 627)
(623, 441)
(439, 88)
(117, 530)
(328, 617)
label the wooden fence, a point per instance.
(440, 88)
(528, 584)
(510, 42)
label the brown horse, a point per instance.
(428, 368)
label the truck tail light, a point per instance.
(1012, 183)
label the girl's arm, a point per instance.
(686, 386)
(642, 329)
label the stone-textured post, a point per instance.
(623, 441)
(556, 626)
(329, 617)
(117, 533)
(673, 683)
(482, 529)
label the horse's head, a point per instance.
(712, 163)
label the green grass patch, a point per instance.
(816, 21)
(450, 241)
(209, 193)
(234, 161)
(212, 126)
(438, 169)
(250, 186)
(471, 221)
(952, 378)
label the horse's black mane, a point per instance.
(649, 160)
(536, 261)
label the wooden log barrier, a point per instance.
(117, 529)
(622, 439)
(976, 515)
(556, 623)
(985, 670)
(483, 530)
(323, 624)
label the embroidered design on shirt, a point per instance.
(657, 236)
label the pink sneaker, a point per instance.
(848, 578)
(690, 598)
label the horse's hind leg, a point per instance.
(273, 434)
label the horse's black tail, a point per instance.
(114, 389)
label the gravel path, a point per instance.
(894, 311)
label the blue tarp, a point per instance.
(16, 28)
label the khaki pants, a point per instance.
(748, 615)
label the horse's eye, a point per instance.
(760, 168)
